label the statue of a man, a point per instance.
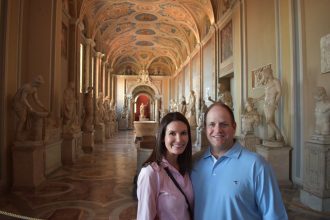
(223, 96)
(69, 113)
(23, 107)
(272, 97)
(322, 112)
(250, 118)
(183, 106)
(191, 114)
(88, 109)
(99, 114)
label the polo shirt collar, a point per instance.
(233, 152)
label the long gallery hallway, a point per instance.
(100, 185)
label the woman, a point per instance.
(158, 194)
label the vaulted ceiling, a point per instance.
(153, 35)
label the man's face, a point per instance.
(220, 129)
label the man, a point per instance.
(229, 181)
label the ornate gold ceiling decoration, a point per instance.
(153, 35)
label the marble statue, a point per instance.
(173, 106)
(69, 111)
(322, 112)
(163, 112)
(201, 114)
(23, 108)
(106, 107)
(272, 97)
(183, 106)
(142, 108)
(250, 118)
(223, 96)
(191, 114)
(99, 113)
(124, 112)
(88, 111)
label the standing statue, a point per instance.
(173, 106)
(142, 106)
(99, 113)
(191, 114)
(88, 111)
(271, 100)
(223, 96)
(183, 106)
(201, 114)
(23, 107)
(250, 118)
(107, 110)
(322, 112)
(69, 111)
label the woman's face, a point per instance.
(176, 138)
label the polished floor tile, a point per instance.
(100, 186)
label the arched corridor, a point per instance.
(76, 76)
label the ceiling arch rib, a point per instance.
(147, 29)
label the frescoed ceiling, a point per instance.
(153, 35)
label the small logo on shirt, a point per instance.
(235, 181)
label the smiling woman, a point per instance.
(164, 188)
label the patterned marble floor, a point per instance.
(100, 185)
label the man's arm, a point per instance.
(36, 99)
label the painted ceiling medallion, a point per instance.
(144, 43)
(146, 17)
(145, 32)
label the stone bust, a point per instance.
(322, 112)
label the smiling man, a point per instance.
(229, 181)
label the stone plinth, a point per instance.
(53, 156)
(123, 124)
(113, 127)
(143, 119)
(144, 146)
(278, 155)
(88, 141)
(99, 133)
(145, 128)
(28, 164)
(107, 130)
(201, 139)
(250, 141)
(71, 147)
(316, 179)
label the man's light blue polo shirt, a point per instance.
(239, 185)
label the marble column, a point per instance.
(316, 179)
(131, 112)
(88, 57)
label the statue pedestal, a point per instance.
(250, 141)
(53, 156)
(316, 178)
(88, 141)
(143, 119)
(71, 147)
(201, 139)
(28, 164)
(123, 124)
(278, 155)
(107, 131)
(99, 133)
(144, 148)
